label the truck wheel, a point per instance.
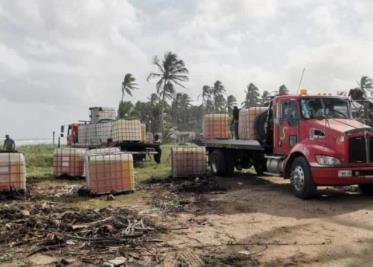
(301, 179)
(229, 164)
(366, 189)
(217, 163)
(259, 168)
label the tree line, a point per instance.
(167, 110)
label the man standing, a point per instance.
(234, 124)
(157, 142)
(9, 145)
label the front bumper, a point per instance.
(352, 175)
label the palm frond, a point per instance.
(153, 75)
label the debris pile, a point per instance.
(199, 185)
(182, 194)
(47, 227)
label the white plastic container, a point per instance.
(12, 172)
(99, 133)
(101, 113)
(216, 126)
(126, 130)
(247, 119)
(111, 173)
(83, 135)
(69, 162)
(188, 161)
(143, 132)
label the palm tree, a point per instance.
(206, 93)
(207, 101)
(180, 110)
(153, 99)
(217, 92)
(217, 89)
(128, 85)
(124, 110)
(231, 102)
(171, 72)
(366, 84)
(265, 97)
(252, 96)
(283, 90)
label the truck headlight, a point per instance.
(327, 160)
(341, 139)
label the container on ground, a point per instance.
(69, 162)
(188, 161)
(110, 173)
(12, 172)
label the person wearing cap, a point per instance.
(9, 145)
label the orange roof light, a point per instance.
(303, 92)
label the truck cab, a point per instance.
(316, 142)
(72, 134)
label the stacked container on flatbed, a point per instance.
(247, 120)
(216, 126)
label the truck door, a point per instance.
(287, 126)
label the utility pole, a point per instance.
(54, 134)
(301, 80)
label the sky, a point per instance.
(57, 58)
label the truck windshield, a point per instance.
(321, 108)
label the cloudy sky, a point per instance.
(57, 58)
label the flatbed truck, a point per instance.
(311, 140)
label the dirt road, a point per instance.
(245, 221)
(275, 228)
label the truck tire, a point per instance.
(259, 168)
(366, 189)
(260, 127)
(229, 164)
(217, 163)
(301, 179)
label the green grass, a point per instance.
(149, 169)
(39, 161)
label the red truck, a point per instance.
(72, 134)
(311, 140)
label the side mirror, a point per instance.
(62, 130)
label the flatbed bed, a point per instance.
(233, 144)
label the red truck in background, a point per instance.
(311, 140)
(72, 134)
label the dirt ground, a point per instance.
(237, 221)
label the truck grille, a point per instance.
(357, 151)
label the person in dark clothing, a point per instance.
(234, 123)
(157, 142)
(9, 144)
